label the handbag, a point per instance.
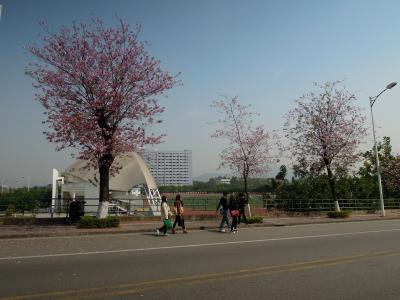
(168, 224)
(235, 213)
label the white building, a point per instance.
(170, 167)
(225, 180)
(132, 190)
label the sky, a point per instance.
(268, 53)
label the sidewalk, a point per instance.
(21, 231)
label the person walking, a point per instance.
(242, 210)
(234, 211)
(223, 208)
(73, 212)
(165, 214)
(179, 219)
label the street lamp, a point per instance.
(378, 167)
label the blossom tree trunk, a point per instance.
(332, 185)
(104, 172)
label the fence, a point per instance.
(309, 205)
(197, 205)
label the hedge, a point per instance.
(255, 219)
(338, 214)
(93, 222)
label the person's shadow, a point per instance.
(153, 234)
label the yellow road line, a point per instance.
(132, 288)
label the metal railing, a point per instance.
(299, 205)
(121, 207)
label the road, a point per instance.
(359, 260)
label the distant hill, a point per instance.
(206, 176)
(273, 170)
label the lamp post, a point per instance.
(378, 167)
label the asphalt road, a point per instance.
(358, 260)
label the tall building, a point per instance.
(170, 167)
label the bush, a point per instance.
(18, 221)
(338, 214)
(93, 222)
(10, 210)
(255, 219)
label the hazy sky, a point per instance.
(266, 52)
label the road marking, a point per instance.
(132, 288)
(195, 245)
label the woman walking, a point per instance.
(235, 213)
(179, 219)
(165, 214)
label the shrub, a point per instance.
(255, 219)
(338, 214)
(10, 210)
(18, 221)
(93, 222)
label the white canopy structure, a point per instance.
(129, 187)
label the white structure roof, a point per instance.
(133, 172)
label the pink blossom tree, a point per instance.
(98, 87)
(248, 151)
(325, 130)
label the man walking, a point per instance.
(224, 210)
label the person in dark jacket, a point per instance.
(242, 210)
(74, 211)
(234, 211)
(179, 219)
(223, 208)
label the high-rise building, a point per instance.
(170, 167)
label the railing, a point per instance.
(197, 205)
(327, 204)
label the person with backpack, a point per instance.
(179, 219)
(165, 214)
(223, 208)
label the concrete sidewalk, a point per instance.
(23, 231)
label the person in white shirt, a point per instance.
(165, 214)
